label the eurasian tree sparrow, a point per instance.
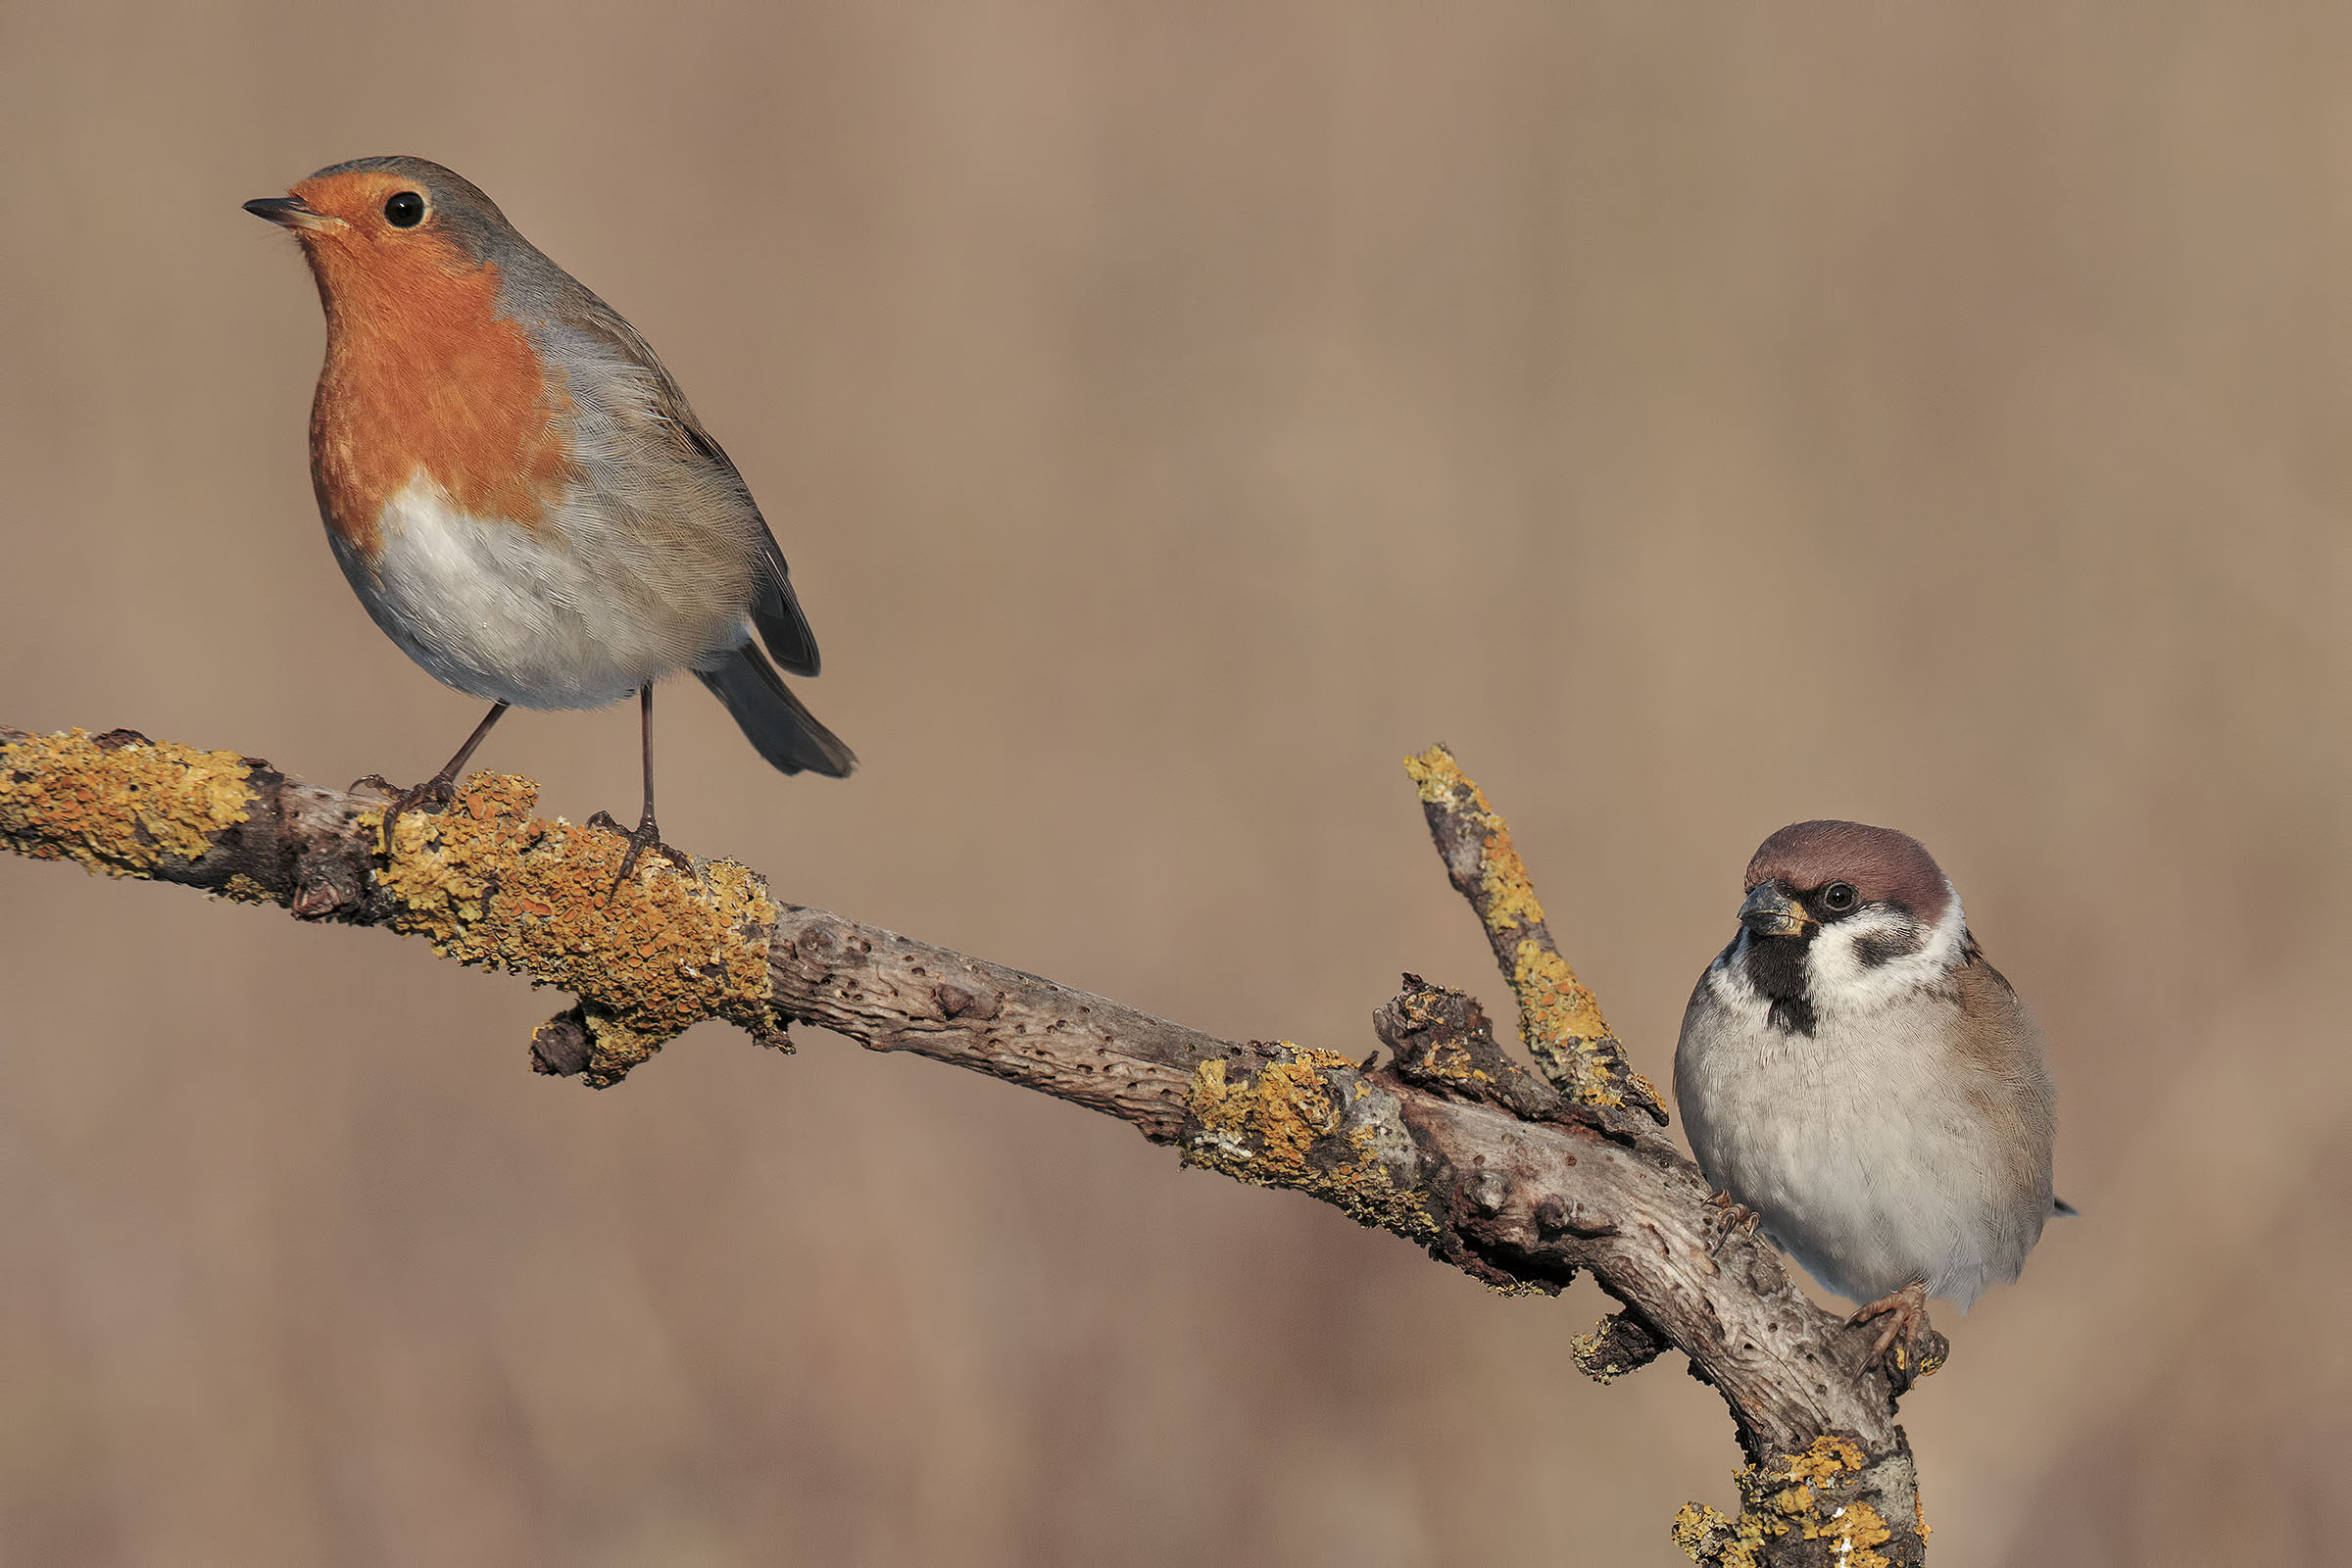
(1852, 1071)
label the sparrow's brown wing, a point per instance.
(776, 610)
(2010, 1084)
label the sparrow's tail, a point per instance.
(773, 721)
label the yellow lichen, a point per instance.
(1288, 1125)
(243, 889)
(1700, 1529)
(1805, 1492)
(488, 883)
(1853, 1530)
(1440, 779)
(1504, 887)
(1590, 1353)
(1825, 1460)
(1559, 1018)
(1560, 1021)
(121, 809)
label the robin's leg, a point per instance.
(648, 835)
(441, 789)
(1918, 1350)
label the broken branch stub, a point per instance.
(1519, 1179)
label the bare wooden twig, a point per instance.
(1517, 1178)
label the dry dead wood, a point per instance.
(1520, 1178)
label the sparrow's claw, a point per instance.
(1736, 1216)
(1917, 1348)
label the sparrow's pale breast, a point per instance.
(1853, 1142)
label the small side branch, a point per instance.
(1559, 1017)
(1518, 1179)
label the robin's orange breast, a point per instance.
(423, 372)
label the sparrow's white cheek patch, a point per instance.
(1879, 957)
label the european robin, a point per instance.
(515, 487)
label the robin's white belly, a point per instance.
(544, 616)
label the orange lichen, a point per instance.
(488, 883)
(1559, 1018)
(119, 804)
(1304, 1120)
(1593, 1355)
(1560, 1021)
(1808, 1494)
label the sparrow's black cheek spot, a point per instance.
(1877, 951)
(405, 209)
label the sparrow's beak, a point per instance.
(1770, 912)
(291, 212)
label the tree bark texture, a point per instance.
(1519, 1178)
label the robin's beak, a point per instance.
(291, 212)
(1771, 913)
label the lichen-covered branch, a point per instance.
(1517, 1178)
(1559, 1017)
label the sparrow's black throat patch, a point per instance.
(1776, 968)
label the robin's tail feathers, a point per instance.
(776, 612)
(773, 721)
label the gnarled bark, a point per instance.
(1518, 1178)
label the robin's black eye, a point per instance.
(405, 209)
(1839, 897)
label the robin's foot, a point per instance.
(1917, 1349)
(646, 836)
(1736, 1216)
(434, 794)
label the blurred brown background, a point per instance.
(1700, 417)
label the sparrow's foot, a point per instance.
(1736, 1216)
(1905, 1344)
(647, 835)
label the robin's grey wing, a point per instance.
(776, 610)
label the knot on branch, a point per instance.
(1559, 1018)
(490, 884)
(585, 1041)
(1621, 1343)
(1830, 1506)
(1456, 1146)
(1280, 1115)
(1441, 1040)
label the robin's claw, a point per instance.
(435, 794)
(646, 836)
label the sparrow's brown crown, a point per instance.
(1882, 865)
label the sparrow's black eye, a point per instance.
(405, 209)
(1839, 897)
